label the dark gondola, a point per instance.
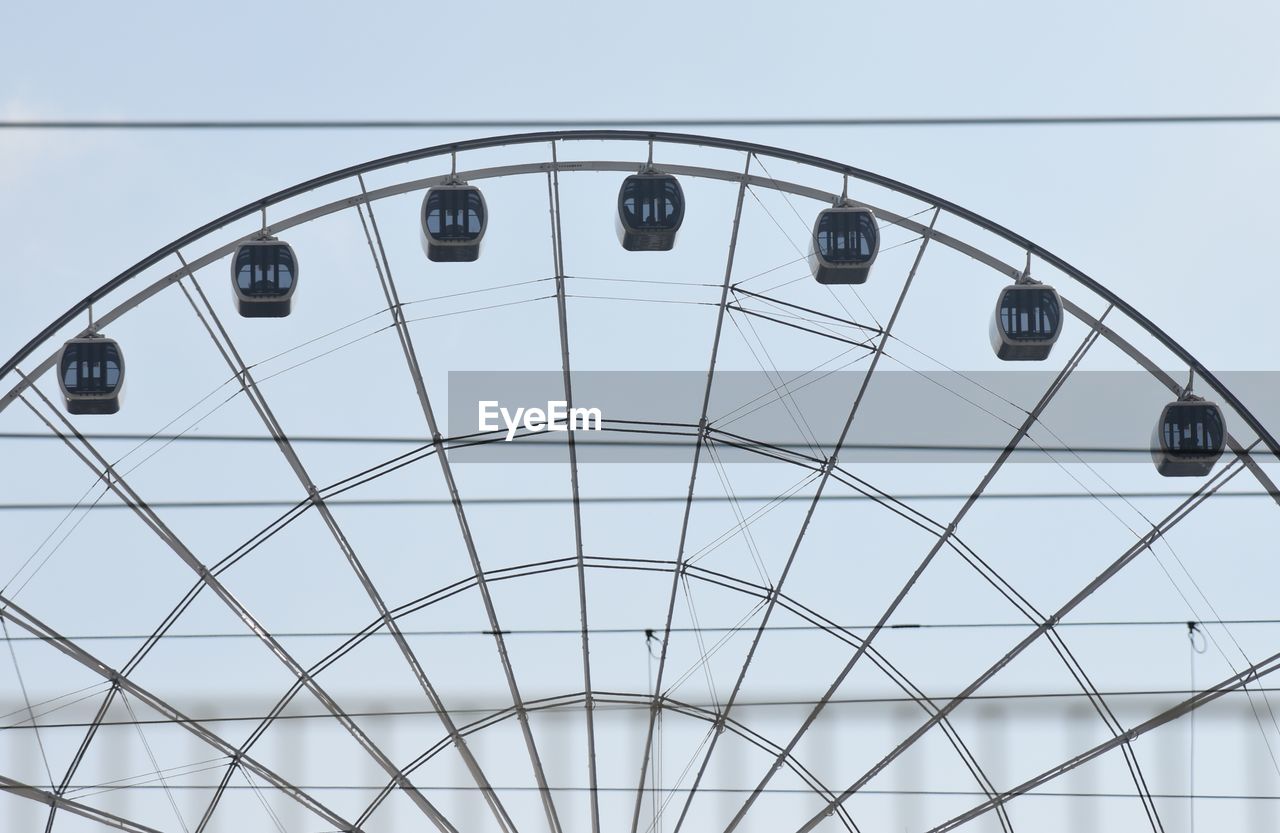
(650, 211)
(1188, 439)
(845, 243)
(1026, 322)
(264, 276)
(91, 374)
(454, 219)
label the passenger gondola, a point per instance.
(264, 276)
(650, 211)
(845, 243)
(454, 219)
(1026, 322)
(91, 374)
(1188, 439)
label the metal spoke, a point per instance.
(628, 699)
(20, 617)
(383, 268)
(775, 310)
(1253, 673)
(1142, 545)
(562, 314)
(102, 469)
(155, 765)
(688, 506)
(402, 328)
(823, 479)
(18, 788)
(227, 349)
(1033, 615)
(82, 750)
(941, 541)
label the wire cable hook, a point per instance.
(1196, 637)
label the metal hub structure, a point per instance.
(616, 780)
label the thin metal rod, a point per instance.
(628, 699)
(227, 349)
(382, 267)
(1144, 543)
(1253, 673)
(82, 750)
(1095, 698)
(942, 540)
(20, 617)
(478, 571)
(738, 290)
(26, 701)
(688, 504)
(104, 471)
(18, 788)
(813, 504)
(562, 314)
(832, 336)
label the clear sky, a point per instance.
(1178, 220)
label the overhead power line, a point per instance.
(633, 123)
(612, 499)
(571, 788)
(637, 631)
(683, 440)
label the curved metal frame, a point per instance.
(671, 138)
(827, 468)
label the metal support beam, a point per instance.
(688, 504)
(446, 469)
(383, 269)
(20, 617)
(103, 470)
(562, 315)
(1235, 682)
(823, 479)
(1145, 542)
(15, 787)
(222, 340)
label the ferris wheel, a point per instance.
(805, 567)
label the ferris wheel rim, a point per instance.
(666, 137)
(747, 148)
